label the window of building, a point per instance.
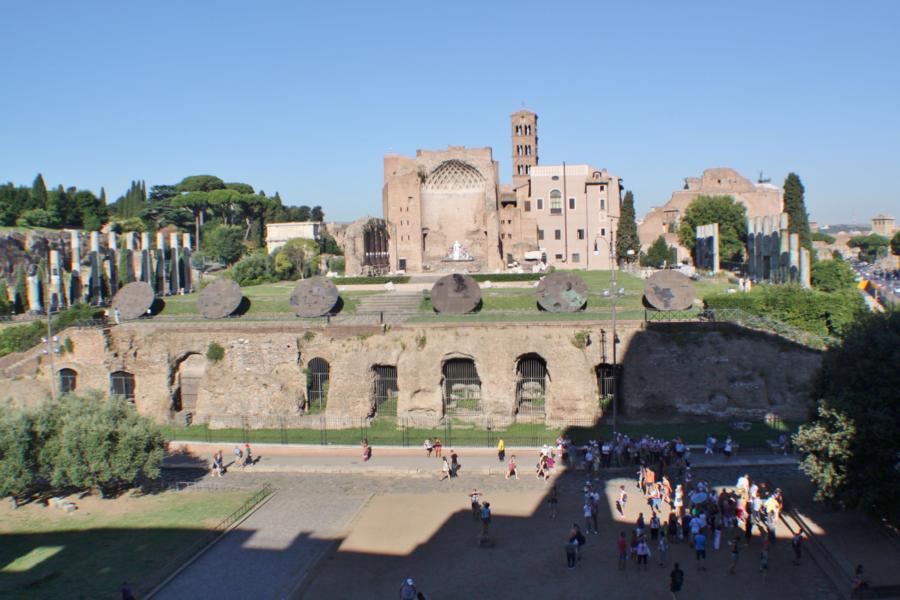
(603, 231)
(528, 169)
(555, 202)
(571, 203)
(528, 206)
(576, 257)
(540, 234)
(540, 204)
(602, 204)
(602, 187)
(121, 383)
(555, 178)
(581, 234)
(559, 257)
(68, 381)
(557, 234)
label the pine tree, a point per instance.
(795, 207)
(627, 235)
(38, 193)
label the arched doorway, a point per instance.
(531, 384)
(186, 380)
(121, 383)
(384, 390)
(606, 385)
(317, 374)
(460, 387)
(68, 380)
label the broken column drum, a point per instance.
(455, 294)
(314, 297)
(562, 292)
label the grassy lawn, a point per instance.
(385, 431)
(89, 553)
(268, 298)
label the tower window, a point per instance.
(602, 204)
(581, 234)
(557, 234)
(528, 206)
(540, 204)
(555, 202)
(540, 234)
(571, 203)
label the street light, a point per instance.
(613, 293)
(52, 348)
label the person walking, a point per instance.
(485, 518)
(621, 500)
(445, 469)
(797, 547)
(676, 581)
(663, 547)
(429, 447)
(588, 513)
(643, 553)
(700, 550)
(501, 450)
(571, 553)
(512, 469)
(553, 501)
(408, 590)
(735, 552)
(454, 463)
(221, 458)
(248, 455)
(475, 499)
(238, 456)
(216, 470)
(437, 447)
(622, 550)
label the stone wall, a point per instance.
(699, 369)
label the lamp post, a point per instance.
(52, 342)
(613, 293)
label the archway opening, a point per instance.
(460, 387)
(318, 372)
(384, 390)
(531, 384)
(68, 381)
(121, 383)
(186, 381)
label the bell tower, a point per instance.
(524, 145)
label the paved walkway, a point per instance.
(412, 461)
(269, 554)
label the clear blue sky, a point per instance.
(306, 97)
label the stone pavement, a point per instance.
(274, 458)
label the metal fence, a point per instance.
(477, 431)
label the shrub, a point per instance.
(365, 280)
(507, 277)
(215, 352)
(37, 217)
(823, 313)
(832, 275)
(254, 269)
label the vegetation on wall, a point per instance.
(852, 448)
(215, 352)
(19, 338)
(822, 313)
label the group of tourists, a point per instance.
(243, 457)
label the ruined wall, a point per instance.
(701, 369)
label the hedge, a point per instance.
(507, 276)
(809, 310)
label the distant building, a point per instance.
(761, 199)
(884, 225)
(277, 234)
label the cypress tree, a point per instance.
(5, 305)
(795, 207)
(38, 193)
(627, 235)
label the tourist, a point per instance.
(622, 499)
(445, 469)
(221, 458)
(248, 455)
(588, 512)
(216, 470)
(710, 444)
(622, 549)
(429, 447)
(501, 450)
(553, 501)
(640, 524)
(654, 527)
(238, 456)
(454, 463)
(571, 553)
(643, 553)
(728, 448)
(542, 468)
(126, 592)
(672, 529)
(579, 539)
(700, 550)
(512, 468)
(475, 499)
(366, 450)
(437, 447)
(797, 547)
(676, 581)
(859, 581)
(595, 510)
(408, 590)
(663, 547)
(485, 517)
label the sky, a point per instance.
(305, 98)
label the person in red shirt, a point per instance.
(622, 548)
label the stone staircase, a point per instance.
(396, 307)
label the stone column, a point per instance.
(794, 257)
(34, 293)
(175, 262)
(95, 293)
(804, 268)
(112, 262)
(76, 289)
(188, 282)
(57, 299)
(146, 259)
(161, 279)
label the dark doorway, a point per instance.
(460, 386)
(121, 383)
(317, 374)
(384, 390)
(531, 384)
(68, 381)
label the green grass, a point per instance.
(385, 431)
(267, 298)
(87, 554)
